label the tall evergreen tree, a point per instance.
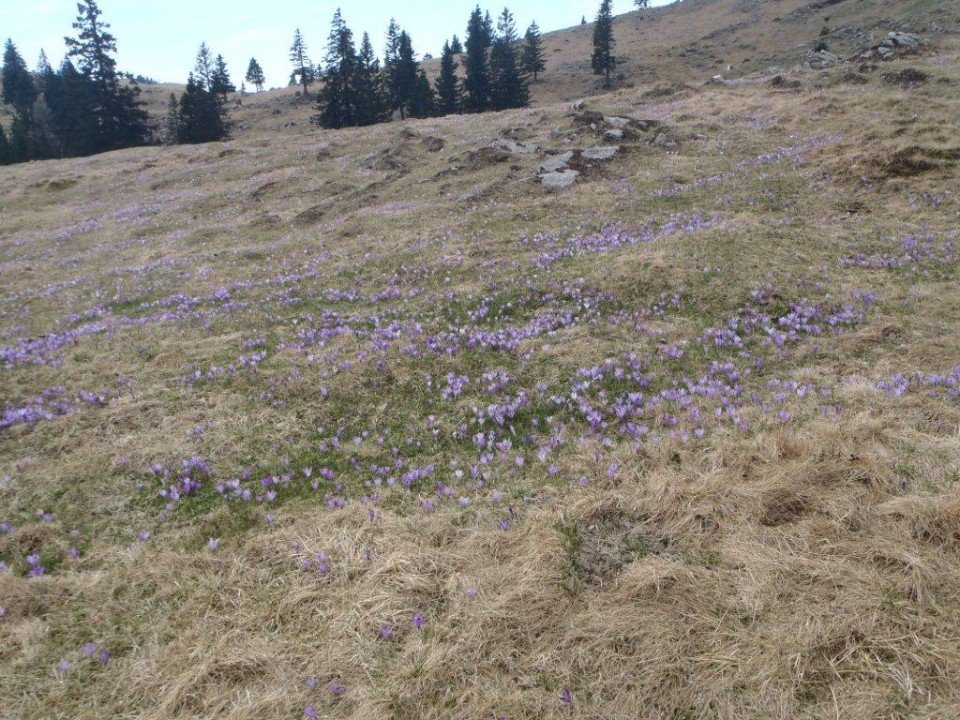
(456, 47)
(404, 78)
(476, 84)
(488, 34)
(448, 86)
(422, 103)
(337, 100)
(372, 97)
(202, 116)
(171, 130)
(220, 83)
(532, 58)
(302, 67)
(120, 118)
(6, 156)
(19, 89)
(204, 67)
(603, 60)
(70, 95)
(255, 75)
(391, 56)
(507, 88)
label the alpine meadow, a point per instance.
(610, 372)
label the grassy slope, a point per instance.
(799, 563)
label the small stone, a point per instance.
(665, 141)
(579, 104)
(557, 162)
(601, 152)
(617, 122)
(562, 179)
(515, 147)
(614, 134)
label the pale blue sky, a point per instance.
(160, 38)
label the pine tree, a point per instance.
(422, 103)
(302, 67)
(603, 60)
(532, 59)
(391, 57)
(19, 89)
(405, 71)
(43, 70)
(120, 120)
(507, 87)
(6, 156)
(69, 96)
(477, 82)
(372, 99)
(488, 34)
(337, 101)
(202, 116)
(448, 86)
(203, 67)
(456, 47)
(255, 75)
(171, 130)
(220, 83)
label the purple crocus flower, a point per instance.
(566, 697)
(418, 620)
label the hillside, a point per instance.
(375, 424)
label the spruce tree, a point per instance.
(6, 156)
(448, 86)
(372, 100)
(488, 34)
(337, 101)
(603, 60)
(477, 81)
(220, 83)
(422, 103)
(302, 67)
(120, 120)
(532, 59)
(202, 115)
(456, 47)
(69, 96)
(405, 72)
(507, 87)
(391, 58)
(255, 75)
(171, 130)
(19, 89)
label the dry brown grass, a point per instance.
(801, 570)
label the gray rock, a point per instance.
(717, 80)
(614, 134)
(665, 141)
(515, 147)
(601, 152)
(562, 179)
(899, 39)
(579, 104)
(557, 162)
(617, 122)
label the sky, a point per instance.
(160, 39)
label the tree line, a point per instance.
(87, 106)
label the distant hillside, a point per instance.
(684, 43)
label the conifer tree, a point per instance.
(507, 87)
(372, 99)
(220, 83)
(5, 154)
(43, 70)
(532, 59)
(404, 77)
(69, 96)
(202, 116)
(477, 81)
(488, 34)
(391, 58)
(120, 120)
(302, 67)
(255, 75)
(337, 101)
(171, 130)
(422, 103)
(456, 47)
(19, 89)
(603, 60)
(448, 86)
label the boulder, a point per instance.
(579, 104)
(665, 141)
(600, 152)
(557, 162)
(562, 179)
(617, 122)
(614, 134)
(515, 147)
